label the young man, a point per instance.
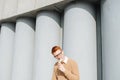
(65, 68)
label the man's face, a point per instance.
(58, 54)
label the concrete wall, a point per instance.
(11, 8)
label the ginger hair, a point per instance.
(55, 48)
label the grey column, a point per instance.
(23, 50)
(110, 21)
(6, 50)
(80, 38)
(99, 43)
(47, 35)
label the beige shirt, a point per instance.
(71, 71)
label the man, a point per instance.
(65, 68)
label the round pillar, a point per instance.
(110, 23)
(6, 50)
(48, 33)
(23, 50)
(80, 38)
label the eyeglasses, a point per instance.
(58, 54)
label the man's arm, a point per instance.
(74, 74)
(54, 76)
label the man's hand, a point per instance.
(61, 67)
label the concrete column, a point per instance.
(47, 35)
(110, 21)
(99, 43)
(1, 8)
(6, 50)
(23, 50)
(80, 38)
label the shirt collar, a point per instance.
(65, 60)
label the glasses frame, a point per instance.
(58, 54)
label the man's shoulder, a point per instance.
(71, 60)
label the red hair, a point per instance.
(55, 48)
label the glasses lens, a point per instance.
(58, 54)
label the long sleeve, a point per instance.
(53, 75)
(74, 74)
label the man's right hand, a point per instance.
(61, 67)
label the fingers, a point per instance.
(61, 67)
